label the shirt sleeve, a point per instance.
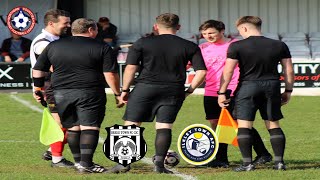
(232, 52)
(113, 30)
(197, 60)
(285, 51)
(110, 63)
(43, 63)
(40, 46)
(135, 53)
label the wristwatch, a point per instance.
(125, 90)
(220, 93)
(288, 90)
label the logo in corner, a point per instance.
(21, 20)
(198, 144)
(125, 144)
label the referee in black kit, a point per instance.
(159, 90)
(81, 66)
(259, 87)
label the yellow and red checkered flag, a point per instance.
(227, 128)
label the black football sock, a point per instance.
(258, 144)
(245, 145)
(73, 139)
(278, 142)
(88, 144)
(162, 145)
(222, 154)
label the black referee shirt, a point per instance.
(163, 59)
(78, 62)
(258, 57)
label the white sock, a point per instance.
(49, 149)
(56, 159)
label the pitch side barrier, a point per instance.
(307, 77)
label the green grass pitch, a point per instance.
(20, 149)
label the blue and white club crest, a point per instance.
(21, 20)
(198, 144)
(124, 144)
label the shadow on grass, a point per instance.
(291, 165)
(303, 164)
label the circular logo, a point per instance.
(198, 144)
(21, 20)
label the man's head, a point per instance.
(212, 30)
(249, 25)
(167, 22)
(57, 21)
(84, 27)
(104, 22)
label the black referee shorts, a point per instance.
(80, 106)
(264, 96)
(148, 101)
(50, 99)
(212, 108)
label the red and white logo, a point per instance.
(21, 20)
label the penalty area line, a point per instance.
(101, 140)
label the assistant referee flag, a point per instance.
(50, 131)
(227, 128)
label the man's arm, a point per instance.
(225, 80)
(38, 84)
(196, 81)
(128, 77)
(113, 81)
(6, 49)
(39, 72)
(288, 74)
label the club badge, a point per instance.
(198, 144)
(125, 144)
(21, 20)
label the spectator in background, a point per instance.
(152, 33)
(106, 31)
(15, 49)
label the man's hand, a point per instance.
(124, 97)
(186, 93)
(285, 97)
(223, 101)
(20, 59)
(40, 97)
(7, 59)
(119, 102)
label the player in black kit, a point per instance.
(259, 87)
(81, 65)
(159, 90)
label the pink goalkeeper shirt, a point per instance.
(214, 56)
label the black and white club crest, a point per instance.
(125, 144)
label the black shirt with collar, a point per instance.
(78, 62)
(258, 57)
(163, 59)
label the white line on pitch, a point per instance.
(26, 103)
(101, 140)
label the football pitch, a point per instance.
(20, 149)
